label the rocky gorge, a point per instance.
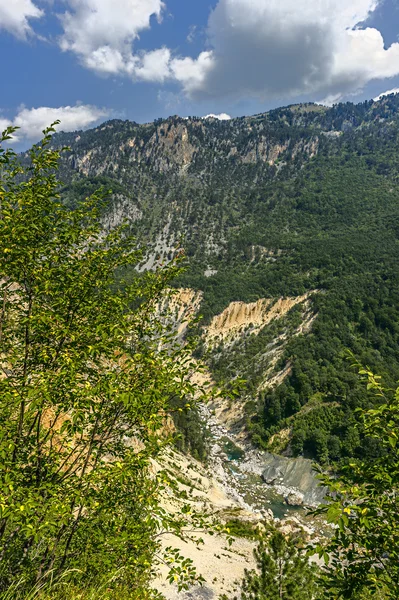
(244, 484)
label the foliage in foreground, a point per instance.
(62, 588)
(363, 554)
(88, 375)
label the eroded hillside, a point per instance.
(239, 318)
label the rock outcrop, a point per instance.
(295, 478)
(239, 317)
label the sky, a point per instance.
(87, 61)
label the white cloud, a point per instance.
(15, 16)
(387, 93)
(32, 121)
(221, 117)
(4, 123)
(255, 48)
(154, 66)
(101, 33)
(362, 57)
(192, 73)
(108, 61)
(282, 48)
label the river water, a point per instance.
(239, 467)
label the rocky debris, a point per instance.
(294, 525)
(210, 272)
(200, 593)
(221, 565)
(268, 514)
(294, 479)
(178, 307)
(294, 499)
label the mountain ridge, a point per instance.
(271, 206)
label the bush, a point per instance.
(88, 374)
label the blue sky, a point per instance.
(85, 61)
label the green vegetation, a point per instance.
(299, 199)
(193, 437)
(361, 557)
(89, 374)
(363, 554)
(283, 570)
(245, 529)
(343, 243)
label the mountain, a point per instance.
(290, 223)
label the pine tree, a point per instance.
(283, 570)
(364, 506)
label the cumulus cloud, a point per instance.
(221, 117)
(192, 73)
(15, 16)
(32, 121)
(154, 66)
(280, 48)
(387, 93)
(4, 123)
(262, 49)
(101, 33)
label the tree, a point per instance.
(88, 373)
(283, 570)
(363, 502)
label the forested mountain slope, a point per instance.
(299, 201)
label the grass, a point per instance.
(243, 529)
(62, 588)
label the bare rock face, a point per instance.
(239, 317)
(295, 478)
(273, 475)
(200, 593)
